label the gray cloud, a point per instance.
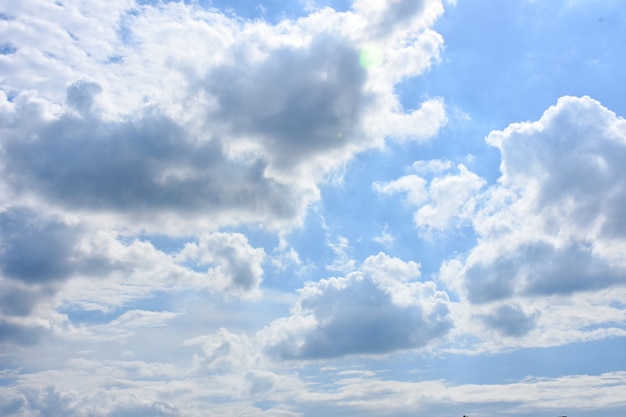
(363, 319)
(39, 249)
(386, 18)
(141, 168)
(511, 320)
(362, 313)
(35, 249)
(539, 268)
(300, 101)
(230, 260)
(38, 253)
(80, 95)
(19, 300)
(52, 402)
(239, 132)
(399, 13)
(18, 333)
(141, 410)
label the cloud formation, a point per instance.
(553, 224)
(378, 309)
(241, 130)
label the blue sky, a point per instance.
(312, 208)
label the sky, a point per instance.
(312, 208)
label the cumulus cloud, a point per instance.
(376, 310)
(550, 227)
(553, 224)
(225, 352)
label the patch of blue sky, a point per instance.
(276, 10)
(166, 244)
(269, 10)
(7, 49)
(508, 62)
(353, 209)
(579, 358)
(309, 241)
(497, 368)
(115, 59)
(125, 32)
(265, 404)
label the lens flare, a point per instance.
(371, 56)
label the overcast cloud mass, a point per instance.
(312, 208)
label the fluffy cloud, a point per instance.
(297, 102)
(554, 223)
(38, 250)
(240, 129)
(551, 226)
(376, 310)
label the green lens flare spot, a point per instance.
(370, 56)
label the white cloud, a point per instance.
(451, 201)
(549, 233)
(50, 264)
(443, 202)
(167, 119)
(413, 185)
(124, 124)
(434, 166)
(553, 225)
